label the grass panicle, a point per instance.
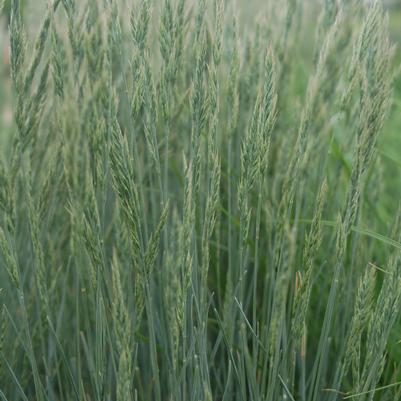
(193, 205)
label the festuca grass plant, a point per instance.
(190, 204)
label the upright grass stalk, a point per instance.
(163, 195)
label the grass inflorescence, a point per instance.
(190, 204)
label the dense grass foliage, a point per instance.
(189, 210)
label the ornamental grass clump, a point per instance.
(186, 204)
